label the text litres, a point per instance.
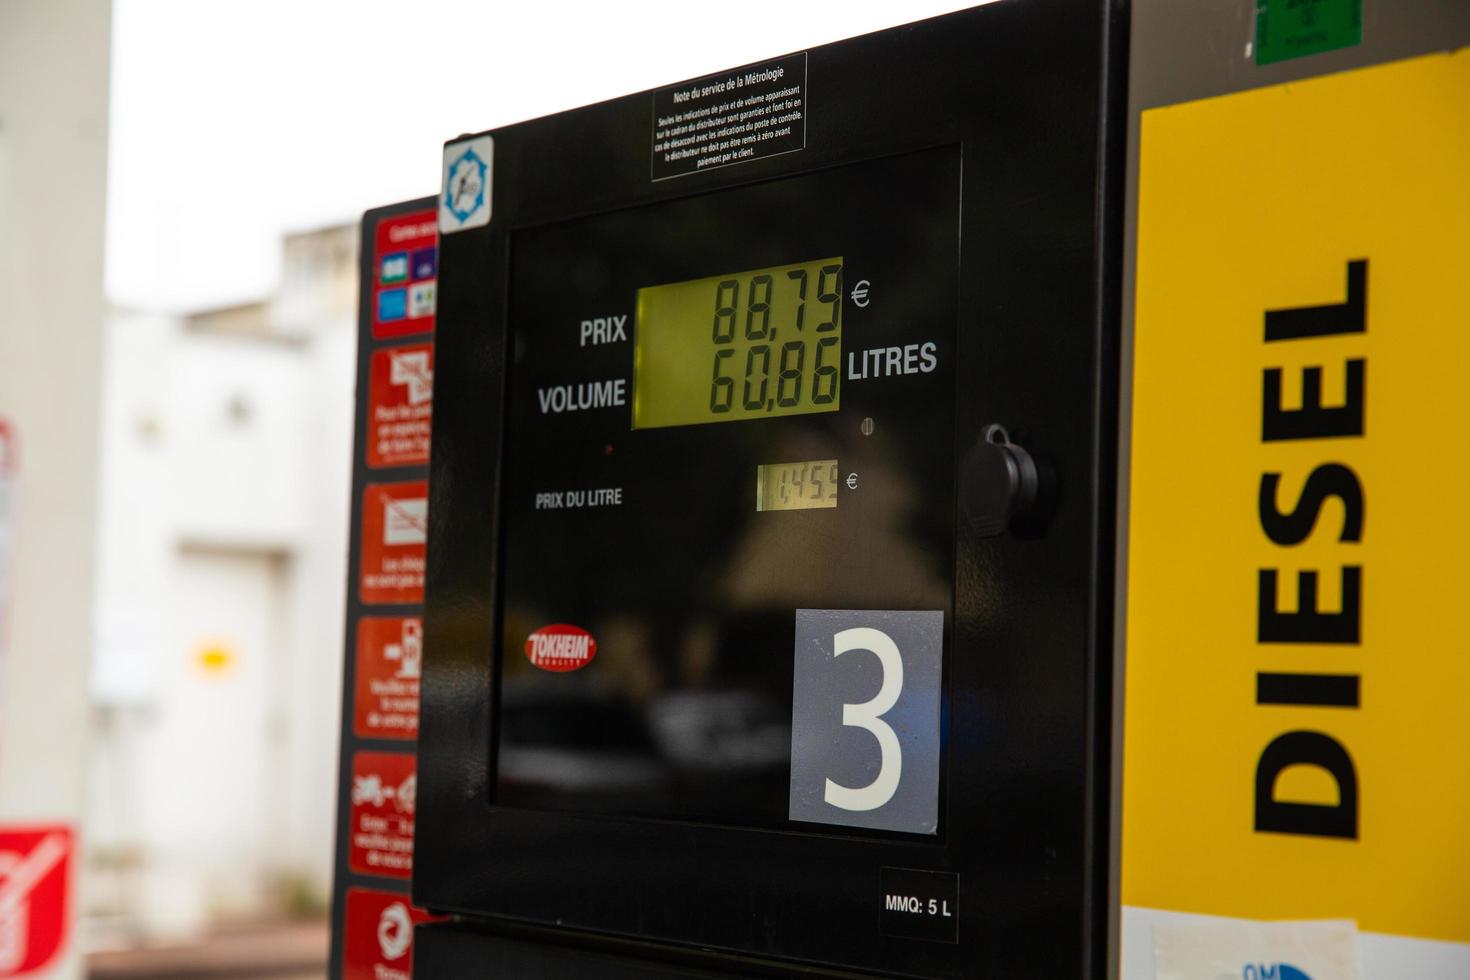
(881, 362)
(582, 397)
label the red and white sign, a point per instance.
(405, 275)
(35, 866)
(384, 795)
(378, 941)
(400, 405)
(386, 701)
(560, 648)
(395, 531)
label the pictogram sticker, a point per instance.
(386, 699)
(400, 405)
(404, 275)
(384, 796)
(395, 524)
(465, 194)
(35, 865)
(378, 940)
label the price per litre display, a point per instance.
(745, 345)
(796, 486)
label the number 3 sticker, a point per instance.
(869, 715)
(865, 718)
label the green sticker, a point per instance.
(1291, 28)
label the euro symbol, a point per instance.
(860, 293)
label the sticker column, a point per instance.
(372, 916)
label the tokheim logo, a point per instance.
(560, 648)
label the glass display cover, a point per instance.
(673, 553)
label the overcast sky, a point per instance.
(233, 122)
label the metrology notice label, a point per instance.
(1294, 730)
(734, 117)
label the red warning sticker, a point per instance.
(405, 275)
(400, 405)
(395, 531)
(560, 648)
(35, 866)
(384, 790)
(386, 700)
(377, 943)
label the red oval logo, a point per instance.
(560, 648)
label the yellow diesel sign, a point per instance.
(1297, 704)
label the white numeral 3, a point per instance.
(869, 716)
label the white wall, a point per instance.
(320, 597)
(54, 58)
(225, 493)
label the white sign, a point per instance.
(1245, 949)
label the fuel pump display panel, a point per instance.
(769, 577)
(725, 413)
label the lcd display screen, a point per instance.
(796, 486)
(675, 592)
(773, 338)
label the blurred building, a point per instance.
(55, 58)
(226, 459)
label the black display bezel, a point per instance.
(1019, 86)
